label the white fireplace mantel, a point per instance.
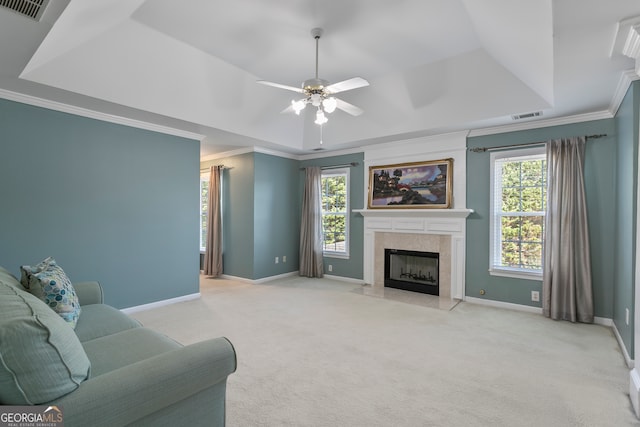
(416, 222)
(415, 213)
(419, 225)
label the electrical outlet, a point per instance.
(535, 296)
(330, 267)
(277, 260)
(284, 258)
(627, 316)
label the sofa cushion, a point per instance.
(9, 279)
(48, 281)
(41, 358)
(137, 344)
(98, 320)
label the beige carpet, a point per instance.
(317, 352)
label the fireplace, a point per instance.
(415, 271)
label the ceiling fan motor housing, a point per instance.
(314, 85)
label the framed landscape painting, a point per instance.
(411, 185)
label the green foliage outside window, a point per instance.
(522, 218)
(334, 211)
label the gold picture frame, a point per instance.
(416, 185)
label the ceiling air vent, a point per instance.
(526, 115)
(30, 8)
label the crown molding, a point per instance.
(245, 150)
(275, 153)
(224, 154)
(625, 81)
(323, 154)
(599, 115)
(97, 115)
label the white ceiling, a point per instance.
(434, 66)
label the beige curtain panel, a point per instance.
(566, 287)
(213, 253)
(311, 225)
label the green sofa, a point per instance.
(109, 371)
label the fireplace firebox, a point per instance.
(412, 270)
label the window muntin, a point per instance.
(518, 204)
(335, 208)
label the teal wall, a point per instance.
(600, 163)
(260, 215)
(352, 267)
(277, 218)
(237, 214)
(111, 203)
(626, 174)
(262, 202)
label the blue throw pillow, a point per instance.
(48, 281)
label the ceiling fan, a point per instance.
(319, 93)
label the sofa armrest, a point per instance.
(89, 293)
(135, 391)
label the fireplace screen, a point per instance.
(412, 271)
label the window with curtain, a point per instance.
(204, 201)
(518, 204)
(335, 208)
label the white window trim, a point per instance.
(341, 171)
(203, 177)
(494, 247)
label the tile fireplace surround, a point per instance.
(429, 230)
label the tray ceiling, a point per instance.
(434, 66)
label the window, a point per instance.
(518, 203)
(204, 206)
(335, 206)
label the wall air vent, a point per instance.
(30, 8)
(526, 115)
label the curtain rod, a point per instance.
(209, 168)
(348, 165)
(504, 147)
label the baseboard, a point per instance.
(162, 303)
(604, 321)
(290, 274)
(237, 278)
(344, 279)
(501, 304)
(628, 360)
(259, 281)
(634, 391)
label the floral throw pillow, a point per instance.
(48, 281)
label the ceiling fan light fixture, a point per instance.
(298, 106)
(320, 117)
(329, 104)
(316, 99)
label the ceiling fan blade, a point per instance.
(353, 83)
(278, 85)
(348, 108)
(289, 109)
